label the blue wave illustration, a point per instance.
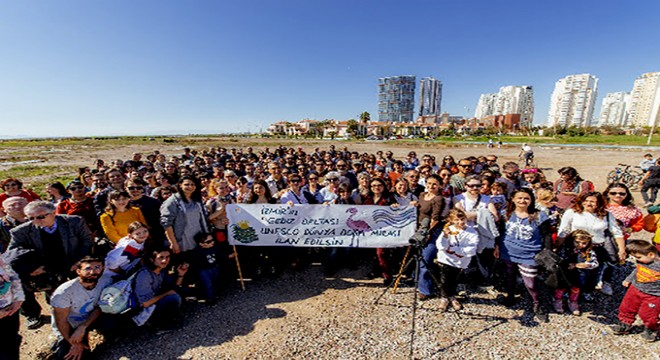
(398, 221)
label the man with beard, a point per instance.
(76, 311)
(116, 182)
(510, 177)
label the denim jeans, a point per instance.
(429, 253)
(165, 309)
(208, 281)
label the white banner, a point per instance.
(364, 226)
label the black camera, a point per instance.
(421, 235)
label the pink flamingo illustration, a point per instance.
(358, 226)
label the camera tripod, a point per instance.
(416, 248)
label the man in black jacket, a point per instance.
(45, 251)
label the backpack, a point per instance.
(118, 298)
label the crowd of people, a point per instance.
(161, 223)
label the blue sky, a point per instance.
(72, 68)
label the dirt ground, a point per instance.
(284, 319)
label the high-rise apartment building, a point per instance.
(645, 100)
(430, 96)
(486, 105)
(396, 98)
(573, 100)
(614, 110)
(509, 100)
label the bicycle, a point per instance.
(625, 175)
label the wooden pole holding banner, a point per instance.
(238, 267)
(398, 277)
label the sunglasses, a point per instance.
(312, 178)
(134, 188)
(40, 217)
(208, 242)
(465, 165)
(11, 185)
(614, 193)
(74, 188)
(295, 181)
(335, 179)
(472, 185)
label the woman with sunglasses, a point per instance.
(14, 187)
(79, 203)
(88, 180)
(329, 192)
(294, 194)
(620, 203)
(312, 186)
(449, 163)
(589, 213)
(242, 192)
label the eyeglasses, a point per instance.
(132, 188)
(92, 268)
(39, 217)
(77, 187)
(614, 193)
(472, 185)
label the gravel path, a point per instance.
(302, 315)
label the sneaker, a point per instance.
(606, 288)
(456, 305)
(599, 285)
(621, 329)
(444, 304)
(540, 314)
(649, 335)
(574, 308)
(34, 322)
(558, 304)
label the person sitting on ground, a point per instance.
(643, 295)
(76, 311)
(156, 291)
